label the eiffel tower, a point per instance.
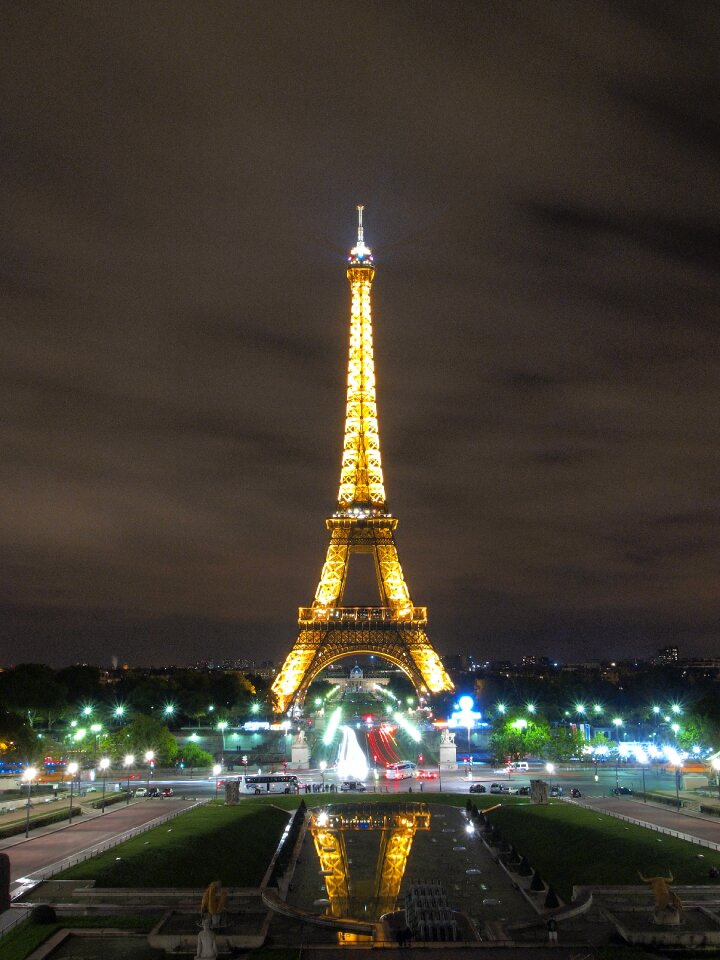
(329, 631)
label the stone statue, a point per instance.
(213, 903)
(299, 738)
(668, 908)
(206, 942)
(447, 737)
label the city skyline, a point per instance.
(541, 198)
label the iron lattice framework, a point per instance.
(395, 630)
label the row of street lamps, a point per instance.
(73, 768)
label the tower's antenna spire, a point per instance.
(360, 254)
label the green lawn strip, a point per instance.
(28, 936)
(313, 800)
(44, 819)
(232, 844)
(570, 845)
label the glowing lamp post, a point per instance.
(716, 767)
(222, 727)
(72, 769)
(149, 760)
(104, 764)
(678, 778)
(96, 730)
(28, 776)
(217, 770)
(550, 767)
(127, 763)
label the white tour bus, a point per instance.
(271, 783)
(401, 771)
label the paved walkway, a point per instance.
(691, 824)
(50, 845)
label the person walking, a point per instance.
(551, 926)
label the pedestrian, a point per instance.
(552, 930)
(422, 786)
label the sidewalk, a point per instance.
(88, 813)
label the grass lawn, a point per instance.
(313, 800)
(211, 842)
(570, 845)
(28, 936)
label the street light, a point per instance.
(104, 764)
(96, 729)
(678, 776)
(149, 758)
(323, 768)
(222, 727)
(550, 767)
(217, 770)
(72, 769)
(716, 767)
(28, 776)
(127, 763)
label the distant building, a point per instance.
(666, 655)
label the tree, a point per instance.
(143, 734)
(192, 755)
(17, 740)
(513, 740)
(563, 744)
(32, 690)
(696, 732)
(82, 683)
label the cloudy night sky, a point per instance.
(178, 186)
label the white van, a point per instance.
(519, 765)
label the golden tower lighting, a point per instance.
(394, 630)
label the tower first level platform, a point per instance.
(394, 630)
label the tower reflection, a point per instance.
(365, 897)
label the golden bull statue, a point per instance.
(666, 902)
(213, 902)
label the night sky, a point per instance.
(178, 186)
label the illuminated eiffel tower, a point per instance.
(395, 630)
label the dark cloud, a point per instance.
(178, 192)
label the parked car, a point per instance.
(167, 791)
(622, 791)
(140, 792)
(498, 788)
(347, 786)
(478, 788)
(153, 792)
(574, 792)
(524, 791)
(556, 791)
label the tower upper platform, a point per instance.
(362, 490)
